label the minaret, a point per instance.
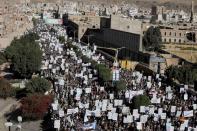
(192, 12)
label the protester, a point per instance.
(82, 103)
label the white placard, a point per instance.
(163, 116)
(125, 110)
(139, 125)
(178, 113)
(142, 109)
(61, 113)
(173, 109)
(111, 96)
(109, 115)
(135, 112)
(143, 118)
(115, 116)
(185, 96)
(57, 124)
(188, 113)
(194, 106)
(87, 90)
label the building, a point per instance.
(175, 34)
(109, 32)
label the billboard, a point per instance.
(53, 21)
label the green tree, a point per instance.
(38, 85)
(152, 39)
(61, 39)
(6, 90)
(141, 100)
(104, 72)
(120, 85)
(35, 21)
(183, 74)
(2, 58)
(25, 55)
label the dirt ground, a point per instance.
(5, 41)
(5, 106)
(187, 52)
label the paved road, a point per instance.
(4, 107)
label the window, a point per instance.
(128, 27)
(179, 40)
(170, 40)
(83, 30)
(164, 39)
(174, 40)
(165, 33)
(180, 34)
(175, 34)
(170, 33)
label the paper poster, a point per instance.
(125, 120)
(149, 85)
(115, 116)
(182, 90)
(178, 113)
(111, 96)
(87, 90)
(186, 87)
(143, 118)
(149, 78)
(160, 110)
(142, 109)
(194, 106)
(129, 118)
(54, 106)
(97, 113)
(163, 116)
(185, 96)
(151, 110)
(61, 113)
(102, 88)
(110, 106)
(157, 76)
(156, 117)
(173, 109)
(168, 89)
(57, 124)
(188, 113)
(125, 110)
(127, 94)
(135, 112)
(139, 125)
(109, 115)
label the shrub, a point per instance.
(141, 100)
(38, 85)
(35, 106)
(6, 90)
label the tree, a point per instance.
(35, 21)
(35, 106)
(25, 55)
(141, 100)
(152, 39)
(2, 58)
(120, 85)
(38, 85)
(61, 39)
(6, 90)
(104, 72)
(183, 74)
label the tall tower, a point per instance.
(192, 12)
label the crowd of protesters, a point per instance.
(82, 103)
